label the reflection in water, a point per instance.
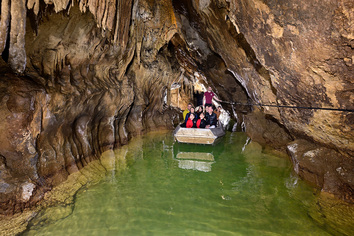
(246, 143)
(194, 156)
(195, 165)
(155, 187)
(195, 161)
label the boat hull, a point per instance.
(198, 136)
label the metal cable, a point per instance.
(291, 107)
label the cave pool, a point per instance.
(154, 186)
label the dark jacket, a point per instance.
(201, 123)
(211, 119)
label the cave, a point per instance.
(81, 77)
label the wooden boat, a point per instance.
(198, 136)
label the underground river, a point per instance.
(154, 186)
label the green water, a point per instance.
(149, 190)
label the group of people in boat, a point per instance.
(205, 116)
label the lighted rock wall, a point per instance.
(91, 74)
(293, 53)
(84, 89)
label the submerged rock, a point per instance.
(323, 167)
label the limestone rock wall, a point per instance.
(85, 89)
(90, 74)
(307, 48)
(283, 55)
(294, 53)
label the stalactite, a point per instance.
(108, 18)
(4, 23)
(33, 4)
(83, 5)
(112, 15)
(59, 5)
(17, 52)
(104, 12)
(100, 10)
(124, 16)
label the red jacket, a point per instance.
(189, 123)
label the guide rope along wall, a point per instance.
(291, 107)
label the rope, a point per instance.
(291, 107)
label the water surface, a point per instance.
(154, 186)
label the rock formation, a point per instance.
(80, 77)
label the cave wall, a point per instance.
(307, 48)
(84, 76)
(85, 88)
(294, 54)
(283, 55)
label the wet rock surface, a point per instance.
(78, 78)
(80, 95)
(304, 56)
(266, 131)
(323, 167)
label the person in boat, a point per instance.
(185, 112)
(218, 112)
(208, 97)
(207, 111)
(201, 122)
(192, 111)
(191, 122)
(198, 110)
(211, 118)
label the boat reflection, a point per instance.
(193, 157)
(195, 161)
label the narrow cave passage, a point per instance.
(79, 78)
